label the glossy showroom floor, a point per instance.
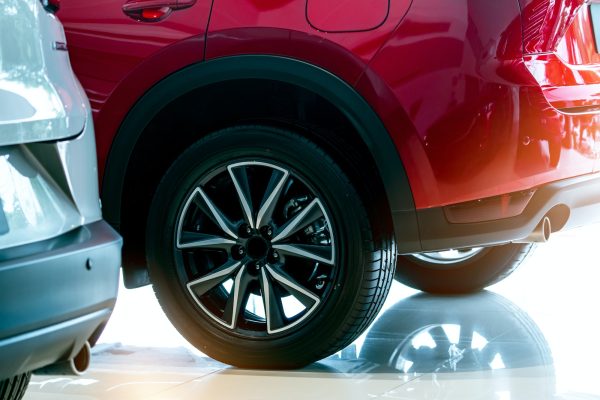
(534, 336)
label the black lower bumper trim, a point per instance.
(569, 203)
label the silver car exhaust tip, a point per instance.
(540, 234)
(75, 366)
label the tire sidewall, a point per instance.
(340, 201)
(491, 265)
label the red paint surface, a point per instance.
(118, 59)
(545, 23)
(474, 103)
(470, 115)
(347, 15)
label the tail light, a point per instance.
(545, 23)
(51, 5)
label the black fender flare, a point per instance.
(288, 70)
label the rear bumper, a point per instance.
(55, 294)
(568, 203)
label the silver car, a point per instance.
(59, 261)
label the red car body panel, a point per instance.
(117, 59)
(253, 27)
(483, 125)
(545, 22)
(348, 15)
(445, 64)
(474, 111)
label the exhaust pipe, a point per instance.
(75, 366)
(540, 234)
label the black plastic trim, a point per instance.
(287, 70)
(576, 199)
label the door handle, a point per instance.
(154, 10)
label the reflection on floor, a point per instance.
(533, 336)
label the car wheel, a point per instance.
(15, 387)
(460, 271)
(261, 252)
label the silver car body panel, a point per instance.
(34, 206)
(39, 95)
(59, 261)
(48, 168)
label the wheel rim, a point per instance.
(255, 248)
(448, 257)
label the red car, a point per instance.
(271, 163)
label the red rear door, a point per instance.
(120, 48)
(108, 39)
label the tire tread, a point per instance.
(14, 388)
(491, 266)
(380, 270)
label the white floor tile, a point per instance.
(533, 336)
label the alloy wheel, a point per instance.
(255, 248)
(448, 257)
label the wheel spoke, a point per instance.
(318, 253)
(308, 215)
(187, 240)
(240, 181)
(202, 285)
(303, 295)
(278, 178)
(211, 210)
(237, 297)
(272, 301)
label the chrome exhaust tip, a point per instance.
(81, 362)
(541, 233)
(75, 366)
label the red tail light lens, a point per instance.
(51, 5)
(545, 23)
(146, 14)
(155, 14)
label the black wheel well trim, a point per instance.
(292, 71)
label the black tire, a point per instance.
(465, 274)
(15, 387)
(349, 280)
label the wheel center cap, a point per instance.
(257, 247)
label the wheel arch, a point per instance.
(128, 145)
